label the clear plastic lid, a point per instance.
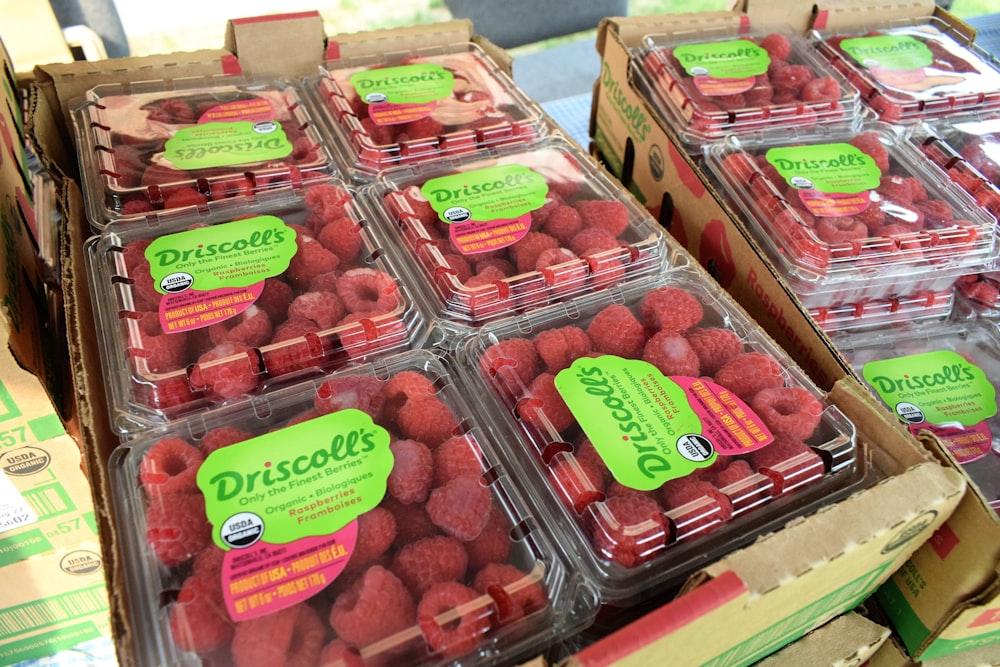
(878, 313)
(848, 217)
(913, 69)
(187, 144)
(940, 378)
(713, 82)
(363, 517)
(498, 235)
(980, 294)
(192, 315)
(660, 427)
(405, 107)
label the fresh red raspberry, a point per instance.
(578, 483)
(543, 407)
(376, 606)
(489, 275)
(514, 363)
(456, 457)
(144, 294)
(424, 128)
(777, 45)
(379, 135)
(136, 206)
(176, 527)
(563, 222)
(208, 562)
(291, 636)
(821, 89)
(199, 621)
(427, 419)
(515, 593)
(792, 79)
(461, 507)
(157, 351)
(377, 530)
(896, 189)
(493, 544)
(157, 175)
(761, 95)
(935, 212)
(295, 347)
(629, 529)
(252, 327)
(791, 411)
(749, 372)
(170, 467)
(610, 215)
(360, 392)
(736, 471)
(338, 653)
(432, 560)
(592, 240)
(412, 471)
(714, 347)
(526, 251)
(499, 264)
(457, 266)
(165, 393)
(669, 308)
(695, 506)
(324, 308)
(788, 462)
(310, 260)
(870, 143)
(227, 370)
(274, 299)
(403, 386)
(325, 282)
(445, 635)
(671, 354)
(981, 291)
(558, 348)
(343, 238)
(170, 110)
(369, 291)
(184, 197)
(615, 330)
(412, 522)
(845, 229)
(327, 203)
(362, 334)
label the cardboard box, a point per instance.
(957, 598)
(850, 639)
(765, 595)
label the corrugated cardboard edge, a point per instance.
(849, 639)
(286, 46)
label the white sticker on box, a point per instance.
(15, 512)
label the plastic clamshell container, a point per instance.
(713, 82)
(980, 294)
(913, 69)
(197, 312)
(498, 235)
(156, 146)
(405, 107)
(941, 378)
(325, 518)
(850, 217)
(617, 411)
(885, 312)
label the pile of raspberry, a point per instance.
(139, 179)
(792, 92)
(969, 158)
(581, 239)
(902, 223)
(331, 306)
(435, 572)
(481, 111)
(667, 328)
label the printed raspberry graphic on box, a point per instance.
(399, 108)
(195, 314)
(149, 149)
(364, 517)
(659, 426)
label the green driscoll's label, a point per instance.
(501, 192)
(736, 59)
(406, 84)
(892, 52)
(307, 480)
(939, 387)
(226, 144)
(831, 168)
(233, 254)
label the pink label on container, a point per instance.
(708, 85)
(474, 236)
(252, 110)
(835, 204)
(731, 426)
(966, 443)
(265, 578)
(195, 309)
(387, 113)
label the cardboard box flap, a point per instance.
(277, 46)
(409, 38)
(631, 29)
(850, 639)
(847, 14)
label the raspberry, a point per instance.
(432, 560)
(376, 606)
(526, 251)
(761, 95)
(505, 268)
(325, 282)
(461, 508)
(323, 308)
(291, 636)
(714, 347)
(294, 347)
(493, 544)
(607, 214)
(543, 406)
(671, 354)
(227, 370)
(310, 260)
(368, 290)
(821, 89)
(791, 80)
(402, 387)
(424, 128)
(695, 506)
(615, 330)
(360, 392)
(592, 240)
(328, 203)
(274, 299)
(514, 362)
(458, 266)
(456, 457)
(515, 593)
(791, 411)
(199, 621)
(165, 393)
(252, 327)
(563, 222)
(184, 197)
(749, 372)
(736, 471)
(446, 635)
(936, 212)
(629, 529)
(170, 467)
(158, 351)
(671, 309)
(171, 111)
(343, 238)
(558, 348)
(222, 436)
(338, 653)
(869, 142)
(788, 462)
(777, 46)
(427, 419)
(176, 527)
(846, 229)
(144, 293)
(412, 471)
(377, 529)
(412, 522)
(578, 483)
